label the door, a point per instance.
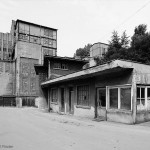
(71, 96)
(101, 103)
(62, 100)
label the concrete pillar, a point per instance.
(134, 91)
(2, 46)
(18, 102)
(48, 100)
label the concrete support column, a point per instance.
(59, 98)
(2, 46)
(49, 69)
(134, 91)
(48, 99)
(17, 75)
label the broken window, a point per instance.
(113, 98)
(125, 97)
(83, 95)
(23, 37)
(35, 39)
(54, 95)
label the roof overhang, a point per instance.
(38, 68)
(64, 58)
(101, 70)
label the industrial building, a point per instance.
(22, 48)
(31, 74)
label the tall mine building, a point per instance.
(22, 48)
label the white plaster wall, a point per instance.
(84, 112)
(122, 117)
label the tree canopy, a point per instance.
(83, 52)
(138, 50)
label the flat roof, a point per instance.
(65, 58)
(18, 20)
(99, 43)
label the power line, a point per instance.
(129, 17)
(134, 13)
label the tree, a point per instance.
(140, 44)
(83, 52)
(117, 47)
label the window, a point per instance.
(23, 28)
(125, 97)
(57, 66)
(60, 66)
(148, 98)
(4, 49)
(48, 51)
(143, 97)
(120, 98)
(34, 39)
(48, 32)
(45, 41)
(23, 37)
(83, 95)
(140, 98)
(64, 66)
(113, 98)
(49, 42)
(54, 95)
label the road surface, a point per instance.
(32, 129)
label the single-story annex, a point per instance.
(116, 91)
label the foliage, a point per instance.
(117, 48)
(140, 44)
(139, 49)
(83, 52)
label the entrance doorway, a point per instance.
(62, 100)
(101, 103)
(71, 99)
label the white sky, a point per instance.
(78, 21)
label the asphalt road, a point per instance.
(31, 129)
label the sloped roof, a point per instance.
(113, 66)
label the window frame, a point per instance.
(54, 100)
(146, 97)
(61, 66)
(88, 100)
(119, 96)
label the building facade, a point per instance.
(25, 45)
(97, 50)
(117, 91)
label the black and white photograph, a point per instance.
(74, 74)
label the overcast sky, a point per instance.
(78, 21)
